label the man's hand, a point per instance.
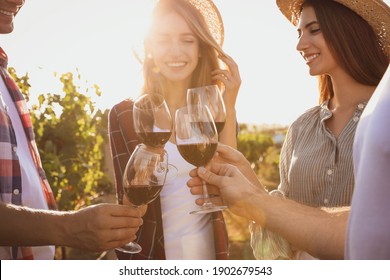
(102, 227)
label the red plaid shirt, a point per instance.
(123, 140)
(10, 174)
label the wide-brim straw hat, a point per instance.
(375, 12)
(211, 15)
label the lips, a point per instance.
(311, 57)
(176, 64)
(7, 13)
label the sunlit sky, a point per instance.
(96, 37)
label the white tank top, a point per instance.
(186, 236)
(32, 193)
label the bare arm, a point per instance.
(96, 228)
(317, 231)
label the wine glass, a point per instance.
(211, 97)
(197, 140)
(144, 176)
(152, 120)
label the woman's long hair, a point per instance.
(208, 47)
(352, 42)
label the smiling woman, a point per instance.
(316, 166)
(7, 13)
(182, 50)
(97, 38)
(173, 28)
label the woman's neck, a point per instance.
(348, 93)
(175, 95)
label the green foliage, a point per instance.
(254, 145)
(70, 134)
(22, 83)
(262, 152)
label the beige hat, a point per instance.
(375, 12)
(212, 17)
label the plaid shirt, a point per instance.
(123, 141)
(10, 173)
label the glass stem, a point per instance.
(206, 196)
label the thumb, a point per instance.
(223, 149)
(208, 176)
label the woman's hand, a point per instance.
(230, 77)
(231, 81)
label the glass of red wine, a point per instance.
(211, 97)
(152, 120)
(143, 178)
(197, 140)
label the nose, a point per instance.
(175, 47)
(302, 43)
(18, 3)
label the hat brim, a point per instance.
(375, 12)
(212, 17)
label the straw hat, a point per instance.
(375, 12)
(211, 16)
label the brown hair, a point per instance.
(208, 47)
(352, 42)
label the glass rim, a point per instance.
(208, 86)
(194, 105)
(186, 111)
(161, 101)
(151, 149)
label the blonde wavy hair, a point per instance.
(209, 49)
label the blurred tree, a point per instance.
(259, 147)
(254, 146)
(70, 134)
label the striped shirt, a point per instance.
(316, 168)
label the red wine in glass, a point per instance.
(142, 194)
(197, 140)
(154, 139)
(198, 154)
(219, 126)
(211, 97)
(152, 120)
(143, 180)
